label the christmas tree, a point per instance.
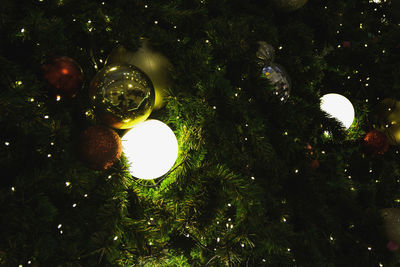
(263, 177)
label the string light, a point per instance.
(7, 143)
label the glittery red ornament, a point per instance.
(376, 143)
(315, 164)
(100, 147)
(64, 75)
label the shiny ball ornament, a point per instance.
(265, 53)
(289, 5)
(376, 143)
(391, 224)
(100, 147)
(153, 63)
(338, 107)
(151, 149)
(278, 77)
(122, 94)
(64, 76)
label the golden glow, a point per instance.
(151, 148)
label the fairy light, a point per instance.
(218, 239)
(46, 116)
(85, 195)
(49, 155)
(74, 205)
(252, 178)
(58, 98)
(7, 143)
(115, 238)
(59, 226)
(67, 184)
(155, 22)
(13, 188)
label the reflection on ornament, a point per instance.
(276, 74)
(265, 53)
(153, 63)
(339, 107)
(64, 75)
(123, 95)
(151, 148)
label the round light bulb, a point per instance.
(339, 107)
(151, 149)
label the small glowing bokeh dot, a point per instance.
(339, 107)
(151, 149)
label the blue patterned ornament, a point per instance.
(278, 77)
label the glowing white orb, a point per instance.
(151, 149)
(339, 107)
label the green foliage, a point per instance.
(243, 191)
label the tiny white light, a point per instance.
(218, 239)
(67, 183)
(46, 116)
(116, 237)
(74, 205)
(59, 226)
(339, 107)
(49, 155)
(242, 245)
(151, 148)
(7, 143)
(58, 97)
(29, 262)
(369, 248)
(52, 143)
(13, 188)
(85, 195)
(252, 178)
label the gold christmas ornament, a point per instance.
(391, 223)
(122, 94)
(289, 5)
(153, 63)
